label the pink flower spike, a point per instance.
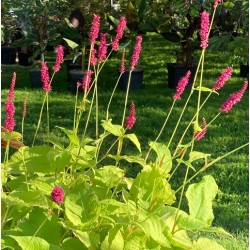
(122, 68)
(102, 52)
(233, 99)
(131, 118)
(24, 106)
(181, 85)
(216, 3)
(10, 111)
(45, 77)
(78, 84)
(59, 58)
(204, 29)
(220, 81)
(119, 33)
(9, 122)
(87, 80)
(198, 135)
(93, 59)
(57, 195)
(94, 29)
(136, 52)
(11, 94)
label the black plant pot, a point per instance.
(25, 59)
(136, 80)
(35, 78)
(8, 55)
(72, 66)
(75, 75)
(176, 72)
(244, 70)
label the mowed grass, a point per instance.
(152, 105)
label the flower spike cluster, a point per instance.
(57, 195)
(204, 29)
(102, 52)
(198, 135)
(59, 58)
(24, 106)
(9, 122)
(122, 68)
(119, 33)
(94, 29)
(93, 59)
(233, 99)
(216, 2)
(87, 80)
(45, 77)
(136, 52)
(220, 81)
(183, 82)
(131, 118)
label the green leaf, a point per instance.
(187, 163)
(10, 136)
(190, 223)
(195, 155)
(154, 228)
(42, 186)
(59, 159)
(110, 176)
(151, 190)
(114, 240)
(130, 159)
(200, 197)
(73, 243)
(71, 44)
(134, 139)
(81, 205)
(228, 5)
(43, 226)
(207, 244)
(34, 243)
(25, 199)
(164, 159)
(71, 135)
(204, 89)
(90, 240)
(116, 130)
(217, 230)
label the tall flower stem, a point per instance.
(47, 100)
(163, 127)
(180, 201)
(207, 165)
(75, 108)
(126, 98)
(111, 97)
(184, 108)
(88, 117)
(40, 118)
(199, 94)
(191, 121)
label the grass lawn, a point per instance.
(152, 105)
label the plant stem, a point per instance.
(126, 98)
(163, 126)
(180, 201)
(40, 118)
(96, 111)
(199, 94)
(75, 110)
(111, 97)
(47, 117)
(191, 121)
